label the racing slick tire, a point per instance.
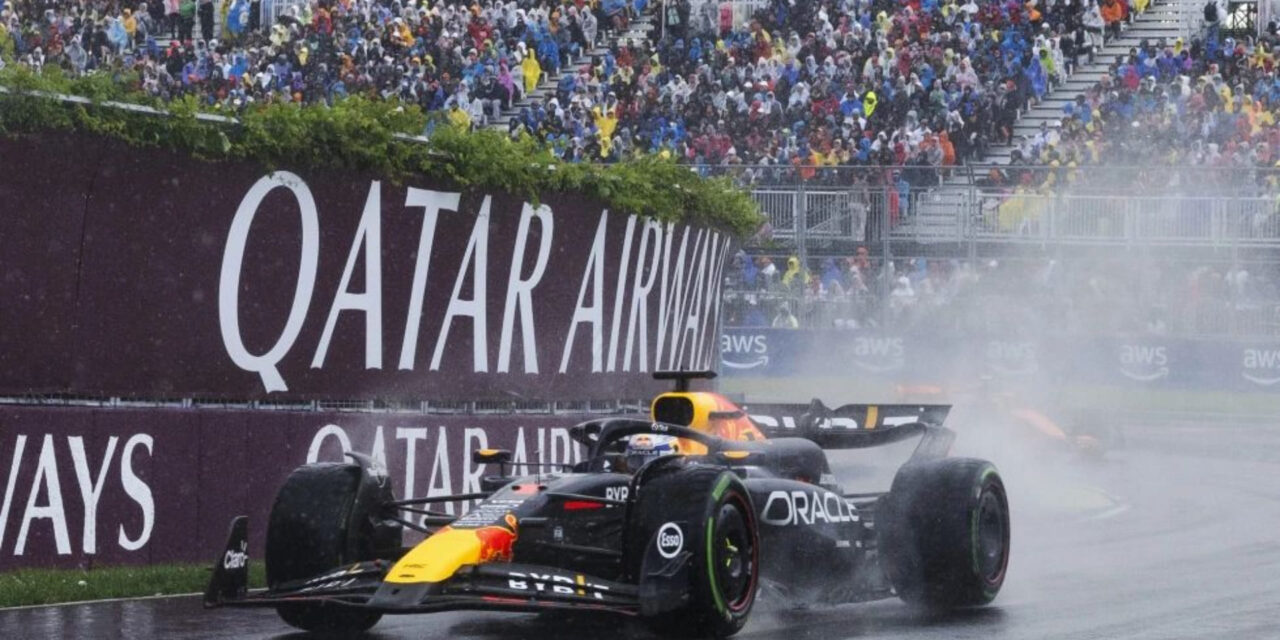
(944, 533)
(720, 537)
(307, 534)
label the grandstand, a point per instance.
(815, 82)
(933, 126)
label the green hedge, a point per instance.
(360, 134)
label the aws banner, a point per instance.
(138, 272)
(1145, 361)
(123, 486)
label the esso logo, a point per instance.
(670, 540)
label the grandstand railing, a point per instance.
(743, 11)
(1096, 205)
(273, 9)
(1148, 220)
(868, 311)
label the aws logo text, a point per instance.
(879, 354)
(1261, 366)
(1144, 362)
(744, 351)
(1012, 358)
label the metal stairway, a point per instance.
(936, 215)
(638, 28)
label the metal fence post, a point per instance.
(966, 225)
(885, 219)
(1130, 223)
(802, 226)
(886, 257)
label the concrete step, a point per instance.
(1166, 20)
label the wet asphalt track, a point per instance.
(1191, 553)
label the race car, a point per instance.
(1044, 427)
(667, 520)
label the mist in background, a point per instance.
(1014, 343)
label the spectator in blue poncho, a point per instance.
(117, 36)
(238, 18)
(549, 55)
(749, 270)
(832, 277)
(1036, 77)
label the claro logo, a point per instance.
(1261, 366)
(236, 559)
(1144, 362)
(1012, 358)
(878, 355)
(744, 351)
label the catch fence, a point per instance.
(1122, 206)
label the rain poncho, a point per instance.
(793, 270)
(869, 102)
(532, 73)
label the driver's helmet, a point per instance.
(644, 447)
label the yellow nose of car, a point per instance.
(439, 556)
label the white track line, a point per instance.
(83, 602)
(107, 600)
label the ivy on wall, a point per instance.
(367, 135)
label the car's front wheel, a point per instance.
(695, 538)
(307, 534)
(944, 532)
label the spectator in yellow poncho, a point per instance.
(869, 102)
(1016, 211)
(883, 23)
(793, 270)
(532, 73)
(1046, 61)
(1263, 120)
(459, 117)
(606, 119)
(130, 24)
(6, 42)
(400, 33)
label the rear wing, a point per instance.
(851, 426)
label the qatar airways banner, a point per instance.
(1137, 361)
(121, 486)
(139, 272)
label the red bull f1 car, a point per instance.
(679, 519)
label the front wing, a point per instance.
(497, 587)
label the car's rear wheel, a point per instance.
(695, 549)
(944, 532)
(307, 534)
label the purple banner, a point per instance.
(141, 272)
(124, 486)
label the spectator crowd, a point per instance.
(1130, 296)
(1206, 102)
(803, 82)
(903, 89)
(798, 88)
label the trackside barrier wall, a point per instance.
(1136, 362)
(143, 273)
(140, 275)
(85, 486)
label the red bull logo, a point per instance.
(438, 557)
(496, 540)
